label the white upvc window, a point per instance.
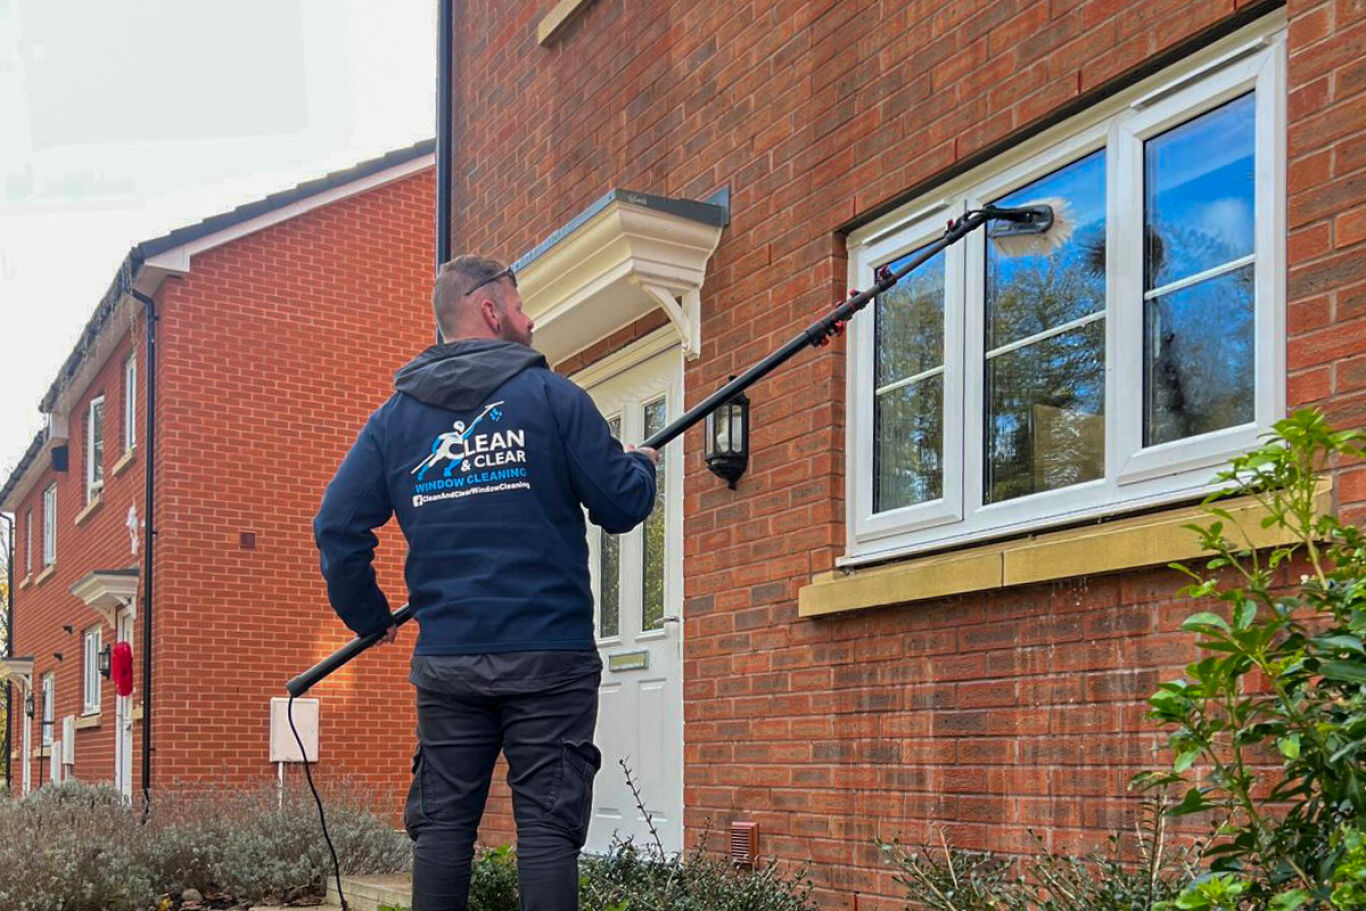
(992, 395)
(90, 689)
(94, 448)
(130, 401)
(50, 525)
(48, 716)
(28, 542)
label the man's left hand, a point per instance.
(389, 635)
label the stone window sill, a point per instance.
(45, 574)
(85, 722)
(1127, 543)
(90, 508)
(26, 581)
(124, 461)
(554, 21)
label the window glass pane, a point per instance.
(652, 540)
(908, 441)
(1045, 346)
(1200, 362)
(130, 402)
(96, 431)
(909, 323)
(1046, 414)
(1198, 193)
(1027, 295)
(609, 572)
(908, 405)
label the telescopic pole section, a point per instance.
(818, 333)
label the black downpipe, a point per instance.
(445, 48)
(9, 644)
(149, 504)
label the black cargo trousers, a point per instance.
(540, 710)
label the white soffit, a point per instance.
(107, 590)
(625, 256)
(18, 670)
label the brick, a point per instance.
(1350, 227)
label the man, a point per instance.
(497, 571)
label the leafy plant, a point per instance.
(493, 880)
(80, 847)
(946, 879)
(1268, 727)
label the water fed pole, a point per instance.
(1018, 230)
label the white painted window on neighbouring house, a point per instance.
(992, 394)
(94, 449)
(28, 541)
(90, 699)
(48, 717)
(50, 525)
(130, 402)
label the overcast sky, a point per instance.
(123, 119)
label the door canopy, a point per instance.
(621, 258)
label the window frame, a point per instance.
(130, 401)
(90, 670)
(50, 525)
(1135, 477)
(94, 462)
(28, 543)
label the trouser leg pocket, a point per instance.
(414, 813)
(570, 805)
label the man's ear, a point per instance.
(492, 314)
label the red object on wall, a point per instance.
(121, 668)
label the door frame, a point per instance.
(123, 721)
(661, 343)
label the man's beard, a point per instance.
(509, 334)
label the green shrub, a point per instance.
(493, 880)
(72, 847)
(1267, 729)
(945, 879)
(79, 847)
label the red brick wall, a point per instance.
(989, 713)
(1326, 183)
(99, 542)
(276, 348)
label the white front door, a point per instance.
(123, 719)
(638, 587)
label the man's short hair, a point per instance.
(456, 277)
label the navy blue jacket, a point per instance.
(487, 458)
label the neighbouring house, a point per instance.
(938, 595)
(278, 326)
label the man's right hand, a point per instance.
(389, 635)
(651, 454)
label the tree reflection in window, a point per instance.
(1044, 377)
(908, 404)
(609, 572)
(1199, 291)
(652, 540)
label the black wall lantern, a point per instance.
(728, 439)
(28, 704)
(104, 661)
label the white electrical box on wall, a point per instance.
(283, 746)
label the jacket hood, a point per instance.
(459, 375)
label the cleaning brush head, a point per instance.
(1035, 229)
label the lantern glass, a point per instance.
(28, 705)
(104, 661)
(737, 428)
